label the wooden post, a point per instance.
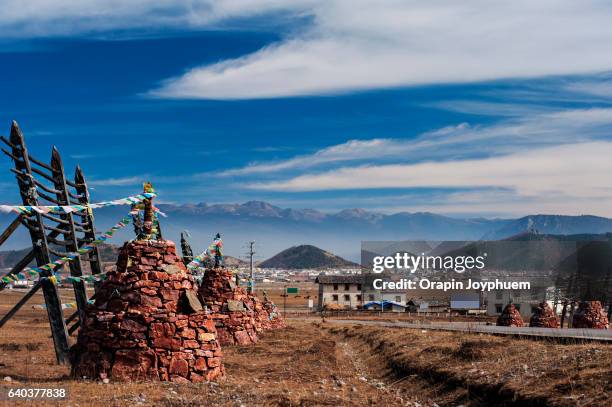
(10, 229)
(76, 268)
(285, 302)
(87, 218)
(563, 312)
(29, 196)
(147, 227)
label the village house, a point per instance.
(343, 290)
(385, 306)
(466, 302)
(395, 296)
(353, 292)
(432, 306)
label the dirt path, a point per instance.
(452, 368)
(301, 365)
(314, 364)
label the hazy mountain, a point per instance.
(306, 257)
(553, 225)
(230, 261)
(9, 258)
(274, 228)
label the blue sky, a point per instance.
(460, 109)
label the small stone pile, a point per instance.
(259, 313)
(510, 317)
(275, 319)
(267, 315)
(147, 322)
(230, 307)
(544, 317)
(590, 314)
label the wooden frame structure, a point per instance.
(52, 235)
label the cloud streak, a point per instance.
(568, 171)
(347, 45)
(454, 142)
(360, 45)
(118, 182)
(38, 18)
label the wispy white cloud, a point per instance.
(487, 108)
(554, 162)
(451, 143)
(359, 44)
(351, 150)
(567, 172)
(118, 182)
(99, 155)
(36, 18)
(493, 203)
(601, 87)
(349, 45)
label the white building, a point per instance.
(343, 290)
(524, 300)
(353, 291)
(396, 296)
(465, 301)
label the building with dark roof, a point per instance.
(353, 291)
(345, 291)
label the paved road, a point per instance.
(604, 335)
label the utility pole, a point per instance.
(251, 280)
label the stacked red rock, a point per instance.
(275, 320)
(147, 322)
(230, 307)
(510, 317)
(544, 317)
(259, 313)
(590, 314)
(267, 315)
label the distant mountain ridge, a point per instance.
(306, 257)
(498, 227)
(274, 228)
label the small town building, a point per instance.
(395, 296)
(343, 290)
(465, 302)
(21, 284)
(433, 306)
(385, 306)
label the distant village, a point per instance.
(344, 287)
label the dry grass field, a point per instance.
(315, 364)
(294, 302)
(476, 369)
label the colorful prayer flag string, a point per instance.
(130, 200)
(50, 267)
(213, 250)
(66, 305)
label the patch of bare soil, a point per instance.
(298, 366)
(453, 368)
